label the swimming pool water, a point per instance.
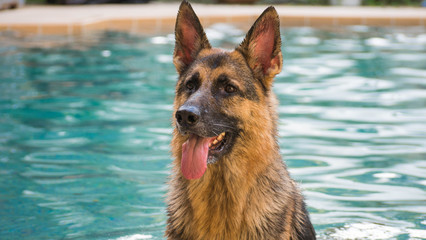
(85, 131)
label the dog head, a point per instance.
(222, 96)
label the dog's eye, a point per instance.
(190, 85)
(230, 89)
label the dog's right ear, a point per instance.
(190, 37)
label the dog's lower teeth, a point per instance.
(221, 136)
(217, 141)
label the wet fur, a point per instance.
(248, 193)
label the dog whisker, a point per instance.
(227, 127)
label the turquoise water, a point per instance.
(85, 132)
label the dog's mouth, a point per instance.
(218, 143)
(197, 151)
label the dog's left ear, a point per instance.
(190, 37)
(262, 47)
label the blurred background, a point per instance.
(16, 3)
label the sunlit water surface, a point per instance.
(85, 129)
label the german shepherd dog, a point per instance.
(229, 181)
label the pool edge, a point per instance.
(75, 20)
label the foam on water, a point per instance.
(135, 237)
(85, 130)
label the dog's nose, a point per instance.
(188, 116)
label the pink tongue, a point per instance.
(194, 156)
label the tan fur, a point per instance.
(238, 196)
